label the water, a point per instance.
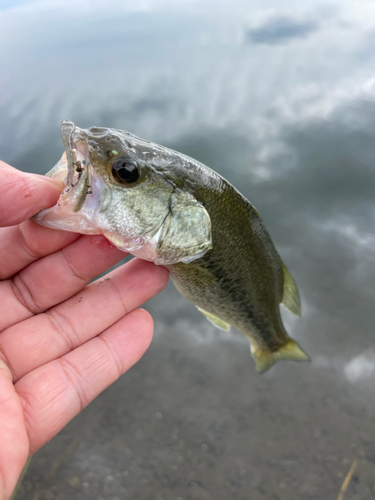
(280, 99)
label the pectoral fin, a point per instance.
(265, 359)
(219, 323)
(186, 232)
(290, 297)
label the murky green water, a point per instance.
(280, 99)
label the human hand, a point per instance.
(62, 341)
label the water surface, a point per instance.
(280, 99)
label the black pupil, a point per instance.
(125, 172)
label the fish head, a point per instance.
(126, 188)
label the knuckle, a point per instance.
(24, 294)
(119, 297)
(23, 240)
(75, 380)
(70, 266)
(116, 363)
(64, 328)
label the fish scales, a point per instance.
(243, 282)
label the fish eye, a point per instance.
(125, 172)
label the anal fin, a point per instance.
(219, 323)
(265, 359)
(290, 297)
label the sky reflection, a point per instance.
(281, 101)
(280, 29)
(288, 115)
(289, 118)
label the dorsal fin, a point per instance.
(290, 298)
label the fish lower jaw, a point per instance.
(139, 246)
(55, 218)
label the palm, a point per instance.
(62, 340)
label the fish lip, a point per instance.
(76, 149)
(67, 129)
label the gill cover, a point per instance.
(186, 232)
(184, 236)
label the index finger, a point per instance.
(22, 195)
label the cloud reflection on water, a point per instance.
(295, 133)
(361, 367)
(288, 119)
(280, 29)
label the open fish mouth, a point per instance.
(83, 187)
(77, 157)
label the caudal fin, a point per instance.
(265, 359)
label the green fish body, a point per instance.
(163, 206)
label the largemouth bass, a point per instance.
(165, 207)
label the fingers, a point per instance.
(50, 335)
(22, 195)
(14, 447)
(56, 392)
(55, 278)
(20, 245)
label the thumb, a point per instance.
(22, 195)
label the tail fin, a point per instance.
(265, 359)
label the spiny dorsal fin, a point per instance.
(219, 323)
(265, 359)
(290, 297)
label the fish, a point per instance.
(165, 207)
